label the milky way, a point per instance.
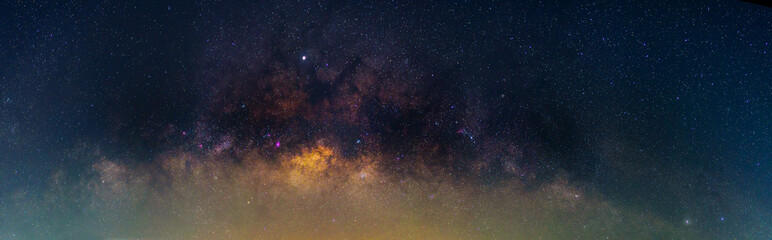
(385, 120)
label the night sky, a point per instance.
(385, 120)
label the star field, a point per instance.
(385, 120)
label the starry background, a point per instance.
(385, 120)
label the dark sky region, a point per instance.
(385, 120)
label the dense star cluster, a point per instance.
(385, 120)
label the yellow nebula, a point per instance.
(315, 161)
(309, 166)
